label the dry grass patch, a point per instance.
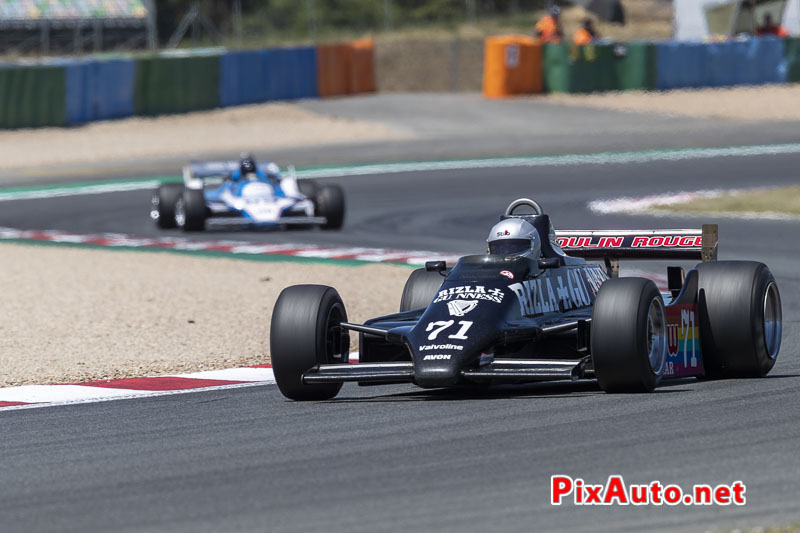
(72, 314)
(257, 128)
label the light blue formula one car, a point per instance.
(245, 194)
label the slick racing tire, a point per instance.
(420, 289)
(330, 204)
(190, 210)
(163, 204)
(740, 318)
(304, 333)
(628, 335)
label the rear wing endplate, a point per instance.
(611, 245)
(195, 174)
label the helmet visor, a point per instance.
(509, 246)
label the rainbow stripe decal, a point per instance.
(683, 342)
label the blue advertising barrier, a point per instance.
(693, 65)
(271, 74)
(292, 73)
(99, 90)
(752, 62)
(680, 65)
(242, 78)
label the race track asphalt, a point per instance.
(401, 459)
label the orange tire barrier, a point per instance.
(362, 66)
(346, 68)
(333, 69)
(512, 64)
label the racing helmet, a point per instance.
(514, 236)
(247, 165)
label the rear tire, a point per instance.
(163, 204)
(330, 204)
(190, 210)
(304, 334)
(740, 318)
(420, 289)
(629, 342)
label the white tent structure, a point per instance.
(692, 22)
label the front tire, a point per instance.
(628, 339)
(330, 204)
(740, 318)
(190, 210)
(305, 333)
(162, 209)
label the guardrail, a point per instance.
(59, 92)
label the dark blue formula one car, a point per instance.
(532, 309)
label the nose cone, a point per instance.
(443, 346)
(460, 323)
(440, 369)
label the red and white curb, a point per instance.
(34, 396)
(243, 248)
(655, 205)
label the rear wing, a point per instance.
(209, 169)
(214, 169)
(611, 245)
(196, 174)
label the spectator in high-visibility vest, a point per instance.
(768, 28)
(548, 29)
(586, 33)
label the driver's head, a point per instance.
(247, 165)
(514, 236)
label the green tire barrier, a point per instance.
(791, 53)
(594, 68)
(556, 64)
(32, 96)
(166, 85)
(637, 69)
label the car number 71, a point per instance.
(440, 325)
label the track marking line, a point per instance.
(644, 205)
(602, 158)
